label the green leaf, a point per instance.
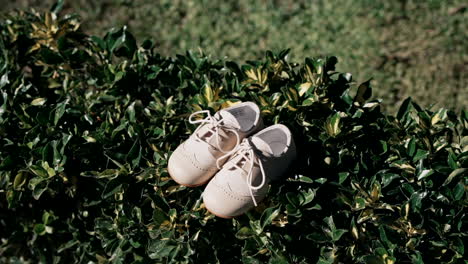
(88, 119)
(100, 42)
(39, 171)
(387, 178)
(293, 198)
(121, 127)
(38, 101)
(106, 174)
(60, 110)
(131, 112)
(40, 229)
(420, 155)
(332, 125)
(256, 227)
(278, 260)
(68, 245)
(50, 171)
(384, 146)
(458, 246)
(308, 102)
(112, 187)
(364, 92)
(65, 139)
(416, 201)
(6, 163)
(244, 233)
(383, 237)
(118, 76)
(121, 43)
(304, 88)
(354, 229)
(47, 217)
(330, 223)
(20, 180)
(156, 70)
(57, 155)
(359, 204)
(334, 233)
(464, 142)
(458, 191)
(134, 155)
(454, 174)
(321, 180)
(208, 93)
(307, 196)
(417, 258)
(424, 174)
(159, 217)
(160, 249)
(404, 108)
(342, 176)
(305, 179)
(3, 106)
(57, 6)
(268, 216)
(325, 261)
(452, 160)
(38, 185)
(440, 115)
(411, 147)
(3, 82)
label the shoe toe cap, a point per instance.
(183, 169)
(222, 202)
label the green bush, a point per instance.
(87, 125)
(409, 47)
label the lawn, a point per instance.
(409, 48)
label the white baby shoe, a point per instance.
(244, 179)
(197, 159)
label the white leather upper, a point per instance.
(274, 148)
(194, 161)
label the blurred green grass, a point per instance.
(409, 48)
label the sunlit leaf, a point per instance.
(332, 125)
(38, 101)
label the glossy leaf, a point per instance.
(333, 125)
(88, 125)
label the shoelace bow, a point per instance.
(242, 148)
(247, 153)
(215, 126)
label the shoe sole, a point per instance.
(197, 185)
(186, 185)
(222, 216)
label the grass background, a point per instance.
(409, 48)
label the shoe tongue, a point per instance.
(229, 119)
(262, 146)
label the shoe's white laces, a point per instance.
(214, 126)
(247, 154)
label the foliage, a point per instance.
(87, 125)
(409, 48)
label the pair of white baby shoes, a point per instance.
(243, 157)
